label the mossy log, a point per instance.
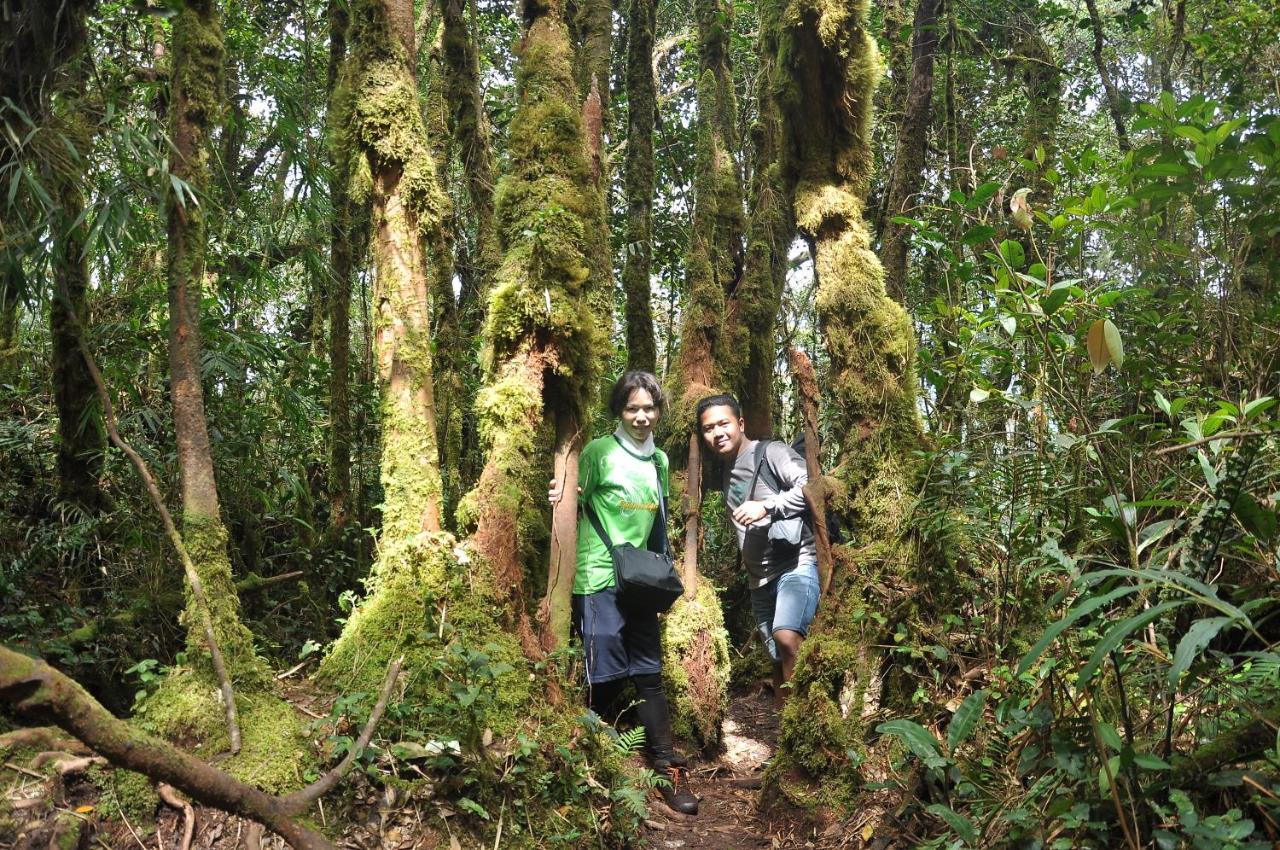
(35, 690)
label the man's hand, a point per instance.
(749, 513)
(554, 491)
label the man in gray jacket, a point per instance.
(763, 485)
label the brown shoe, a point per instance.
(675, 790)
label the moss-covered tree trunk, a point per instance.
(470, 127)
(593, 26)
(195, 107)
(911, 147)
(639, 185)
(545, 322)
(10, 298)
(81, 435)
(186, 705)
(770, 230)
(828, 68)
(1042, 84)
(341, 256)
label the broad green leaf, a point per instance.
(1163, 403)
(962, 825)
(1013, 253)
(1054, 299)
(1259, 405)
(1112, 639)
(1085, 608)
(1259, 521)
(1146, 761)
(981, 195)
(979, 234)
(965, 720)
(1196, 639)
(1110, 736)
(918, 739)
(978, 395)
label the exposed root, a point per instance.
(170, 797)
(43, 738)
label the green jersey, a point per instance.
(622, 488)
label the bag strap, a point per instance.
(762, 452)
(595, 523)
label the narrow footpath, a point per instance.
(729, 790)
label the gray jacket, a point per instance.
(763, 560)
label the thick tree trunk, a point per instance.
(913, 143)
(1042, 81)
(639, 184)
(830, 66)
(82, 438)
(546, 316)
(594, 29)
(341, 256)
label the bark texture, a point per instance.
(828, 68)
(546, 315)
(1114, 104)
(912, 145)
(341, 257)
(639, 185)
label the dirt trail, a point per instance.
(729, 791)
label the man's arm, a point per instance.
(792, 474)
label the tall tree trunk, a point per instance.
(594, 30)
(1104, 74)
(388, 127)
(639, 183)
(545, 324)
(81, 436)
(829, 67)
(913, 143)
(341, 256)
(770, 231)
(195, 107)
(470, 127)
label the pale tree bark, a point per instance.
(639, 184)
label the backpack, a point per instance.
(765, 471)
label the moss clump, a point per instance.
(420, 594)
(187, 708)
(695, 663)
(125, 795)
(205, 539)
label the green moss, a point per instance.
(205, 539)
(695, 664)
(187, 708)
(125, 795)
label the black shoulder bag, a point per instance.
(646, 580)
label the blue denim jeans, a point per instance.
(787, 602)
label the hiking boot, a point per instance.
(675, 791)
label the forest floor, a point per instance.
(729, 790)
(728, 787)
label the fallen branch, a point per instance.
(193, 578)
(36, 690)
(299, 801)
(41, 738)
